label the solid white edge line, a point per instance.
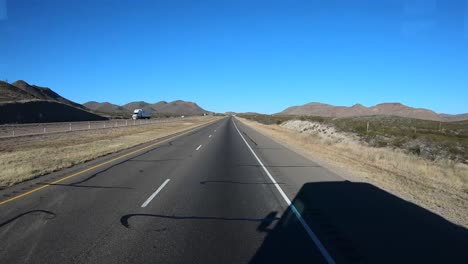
(199, 147)
(309, 231)
(155, 193)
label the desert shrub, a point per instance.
(444, 140)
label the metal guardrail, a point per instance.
(19, 130)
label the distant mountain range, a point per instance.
(21, 102)
(178, 107)
(393, 109)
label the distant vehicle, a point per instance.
(141, 114)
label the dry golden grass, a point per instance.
(25, 158)
(440, 186)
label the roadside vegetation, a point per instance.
(424, 138)
(29, 157)
(420, 161)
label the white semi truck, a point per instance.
(141, 114)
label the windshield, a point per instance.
(233, 131)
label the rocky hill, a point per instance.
(43, 93)
(21, 102)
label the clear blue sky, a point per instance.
(241, 55)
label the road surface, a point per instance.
(218, 194)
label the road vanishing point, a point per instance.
(220, 193)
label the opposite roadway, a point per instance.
(218, 194)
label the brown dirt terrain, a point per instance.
(440, 186)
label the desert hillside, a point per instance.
(43, 93)
(21, 102)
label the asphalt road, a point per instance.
(204, 197)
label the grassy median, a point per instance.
(29, 157)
